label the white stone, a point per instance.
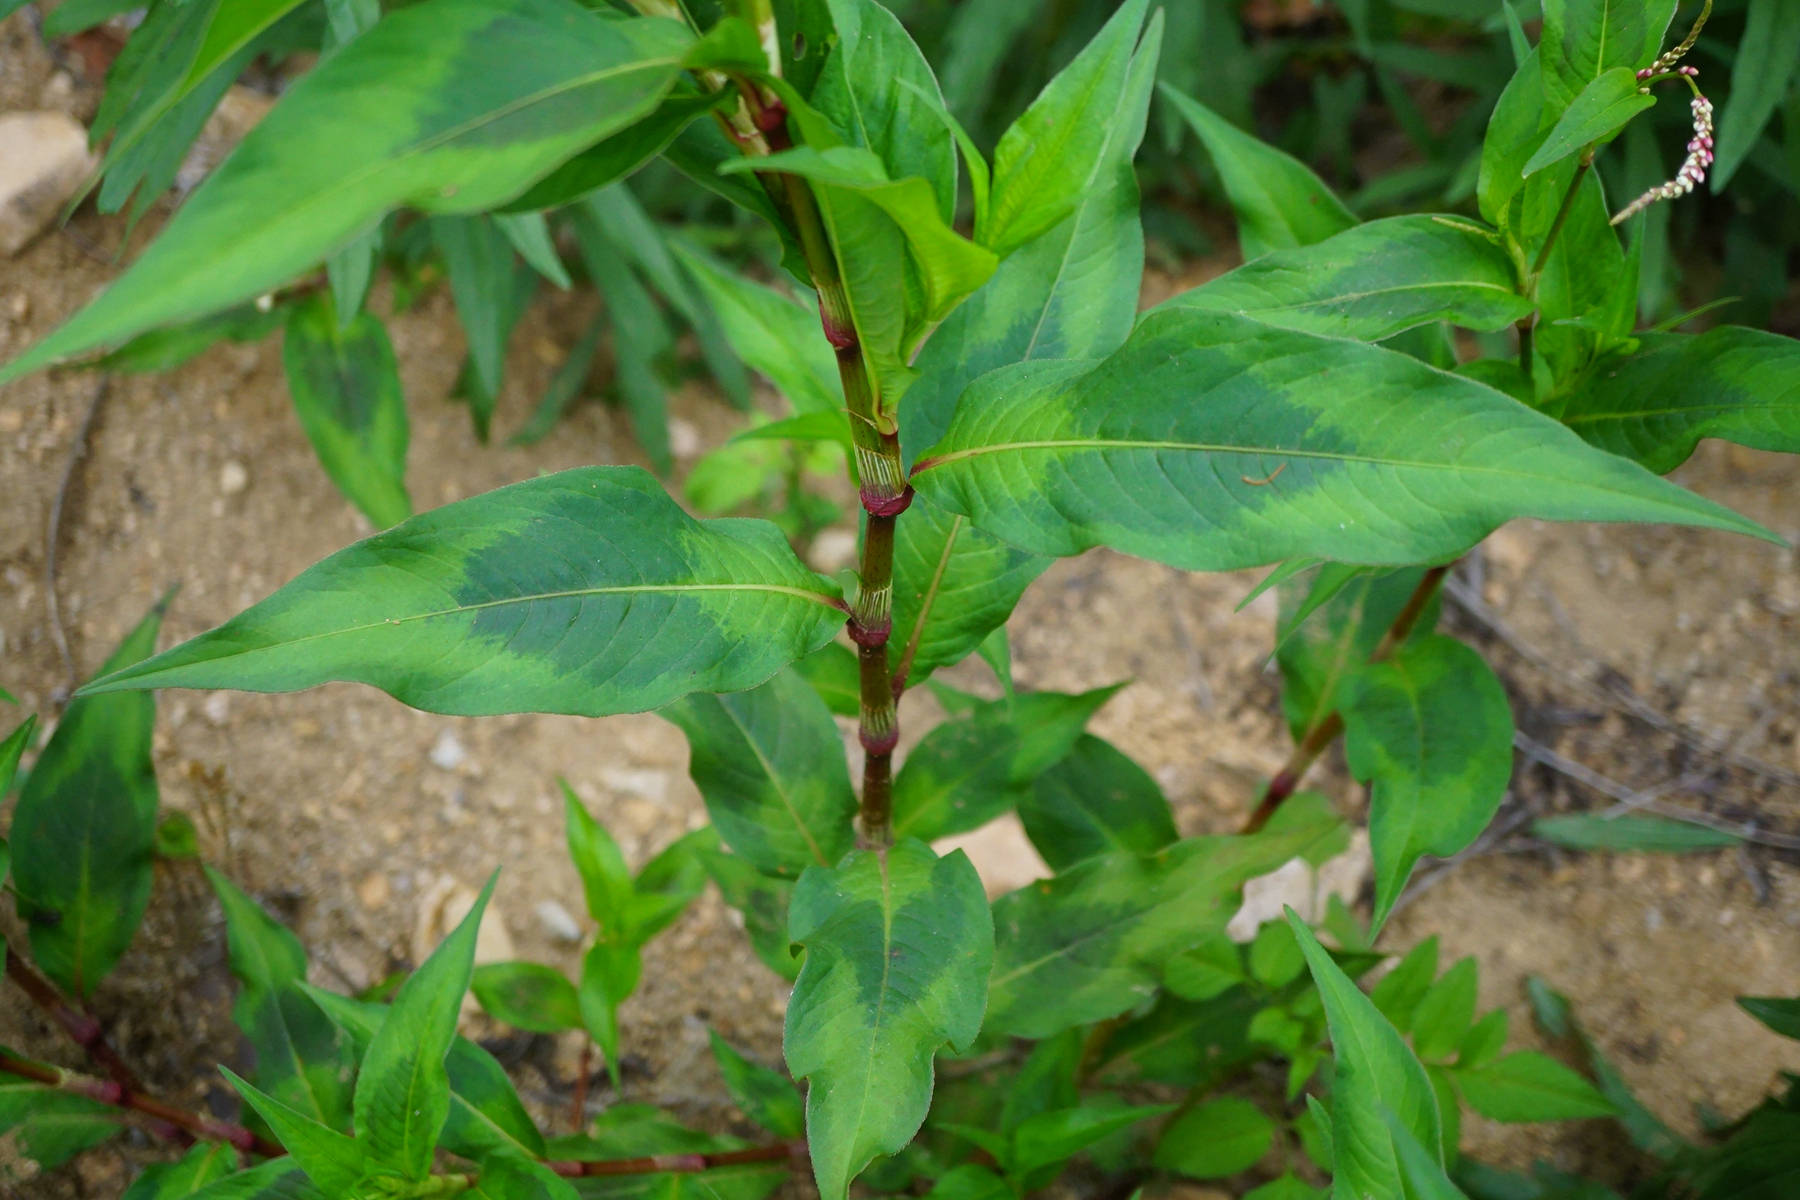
(1298, 885)
(45, 157)
(558, 925)
(684, 439)
(1003, 856)
(217, 707)
(234, 477)
(447, 753)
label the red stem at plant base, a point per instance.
(793, 1153)
(1320, 736)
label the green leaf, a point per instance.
(300, 1059)
(479, 260)
(1279, 202)
(1604, 107)
(763, 901)
(486, 1115)
(1632, 832)
(949, 266)
(776, 336)
(1761, 73)
(507, 602)
(1048, 158)
(345, 383)
(953, 586)
(1090, 943)
(1372, 1070)
(1373, 281)
(642, 342)
(969, 770)
(402, 1090)
(1071, 292)
(1430, 730)
(1275, 958)
(1216, 1138)
(1330, 633)
(1049, 1139)
(1654, 406)
(1420, 1169)
(11, 750)
(1094, 801)
(832, 670)
(669, 882)
(335, 1162)
(83, 833)
(1528, 1086)
(1484, 1041)
(766, 1097)
(969, 1182)
(44, 1128)
(509, 1178)
(1287, 1187)
(1061, 457)
(605, 879)
(879, 93)
(276, 1179)
(205, 1163)
(1583, 39)
(480, 99)
(1780, 1013)
(617, 156)
(1514, 133)
(166, 349)
(527, 995)
(1446, 1012)
(610, 972)
(1211, 968)
(769, 763)
(530, 235)
(898, 946)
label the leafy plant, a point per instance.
(1321, 409)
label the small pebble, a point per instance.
(448, 753)
(373, 891)
(684, 439)
(217, 707)
(558, 925)
(233, 478)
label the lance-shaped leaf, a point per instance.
(486, 1114)
(1279, 202)
(345, 383)
(1091, 942)
(879, 92)
(615, 157)
(1373, 281)
(1514, 133)
(763, 901)
(480, 99)
(276, 1179)
(1048, 158)
(300, 1058)
(11, 750)
(43, 1128)
(769, 763)
(1071, 292)
(1372, 1070)
(1095, 801)
(1654, 406)
(1207, 442)
(402, 1089)
(1603, 108)
(898, 946)
(333, 1161)
(585, 592)
(764, 1096)
(527, 995)
(1528, 1086)
(1330, 633)
(1583, 39)
(85, 827)
(1430, 729)
(970, 769)
(205, 1163)
(953, 586)
(1760, 77)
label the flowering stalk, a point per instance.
(1693, 168)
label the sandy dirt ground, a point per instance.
(362, 822)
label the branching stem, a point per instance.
(1320, 736)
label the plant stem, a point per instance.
(1527, 335)
(1320, 736)
(793, 1153)
(1556, 226)
(175, 1124)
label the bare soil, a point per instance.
(333, 808)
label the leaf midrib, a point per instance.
(775, 780)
